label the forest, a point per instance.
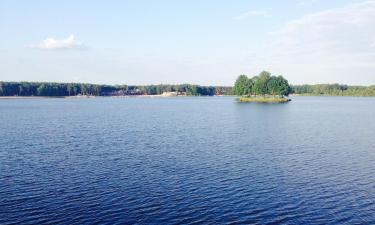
(261, 85)
(73, 89)
(333, 90)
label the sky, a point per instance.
(205, 42)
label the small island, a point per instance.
(263, 88)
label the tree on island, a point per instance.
(263, 84)
(240, 85)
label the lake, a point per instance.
(187, 160)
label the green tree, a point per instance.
(273, 86)
(283, 88)
(1, 89)
(70, 89)
(249, 87)
(260, 84)
(240, 85)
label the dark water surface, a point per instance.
(187, 160)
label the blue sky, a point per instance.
(207, 42)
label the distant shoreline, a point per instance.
(327, 95)
(112, 96)
(28, 97)
(158, 96)
(62, 90)
(44, 97)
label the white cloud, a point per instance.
(373, 42)
(307, 2)
(252, 13)
(350, 29)
(334, 45)
(52, 43)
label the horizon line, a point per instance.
(154, 84)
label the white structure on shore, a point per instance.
(169, 93)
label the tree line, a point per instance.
(263, 84)
(74, 89)
(333, 89)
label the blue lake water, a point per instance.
(187, 160)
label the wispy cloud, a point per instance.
(373, 42)
(51, 43)
(338, 42)
(252, 13)
(348, 30)
(307, 2)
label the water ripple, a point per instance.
(187, 161)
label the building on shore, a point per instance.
(170, 93)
